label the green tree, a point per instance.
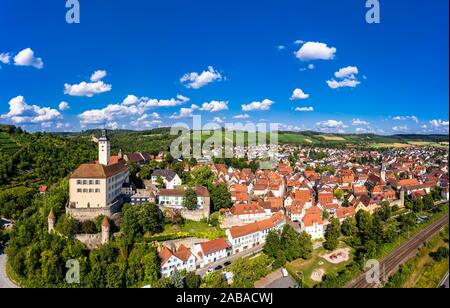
(67, 226)
(338, 193)
(364, 225)
(151, 267)
(190, 199)
(220, 197)
(332, 235)
(349, 227)
(192, 280)
(418, 205)
(159, 182)
(290, 243)
(272, 245)
(325, 215)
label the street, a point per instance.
(5, 283)
(246, 253)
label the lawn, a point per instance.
(190, 228)
(307, 267)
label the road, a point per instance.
(5, 283)
(390, 264)
(246, 253)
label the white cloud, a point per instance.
(406, 118)
(98, 75)
(298, 94)
(196, 81)
(5, 58)
(26, 58)
(131, 100)
(362, 130)
(215, 106)
(64, 106)
(241, 116)
(281, 47)
(112, 125)
(87, 89)
(311, 66)
(315, 51)
(264, 105)
(299, 42)
(439, 124)
(184, 112)
(304, 109)
(218, 120)
(22, 113)
(331, 124)
(349, 71)
(358, 122)
(346, 78)
(351, 83)
(402, 128)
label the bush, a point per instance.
(440, 254)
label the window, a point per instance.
(79, 190)
(91, 182)
(97, 190)
(79, 182)
(97, 182)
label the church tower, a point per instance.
(103, 149)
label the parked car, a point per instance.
(218, 267)
(284, 272)
(228, 263)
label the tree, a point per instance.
(364, 225)
(201, 176)
(272, 245)
(418, 205)
(175, 279)
(151, 267)
(214, 280)
(67, 226)
(192, 280)
(220, 197)
(348, 227)
(190, 199)
(290, 243)
(325, 215)
(428, 202)
(159, 182)
(385, 211)
(338, 194)
(332, 235)
(305, 245)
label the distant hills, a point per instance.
(156, 140)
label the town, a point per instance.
(311, 191)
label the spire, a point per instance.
(105, 222)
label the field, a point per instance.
(333, 138)
(316, 262)
(7, 145)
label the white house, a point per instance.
(312, 224)
(170, 178)
(212, 251)
(252, 235)
(182, 259)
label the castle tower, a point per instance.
(104, 148)
(120, 154)
(105, 230)
(383, 172)
(402, 198)
(51, 219)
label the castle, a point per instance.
(96, 187)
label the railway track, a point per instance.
(390, 264)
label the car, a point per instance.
(218, 267)
(211, 270)
(228, 263)
(284, 272)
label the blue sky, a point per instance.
(239, 59)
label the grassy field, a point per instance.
(333, 138)
(307, 267)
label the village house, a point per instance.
(252, 235)
(181, 259)
(174, 198)
(170, 178)
(212, 251)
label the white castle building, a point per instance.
(96, 187)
